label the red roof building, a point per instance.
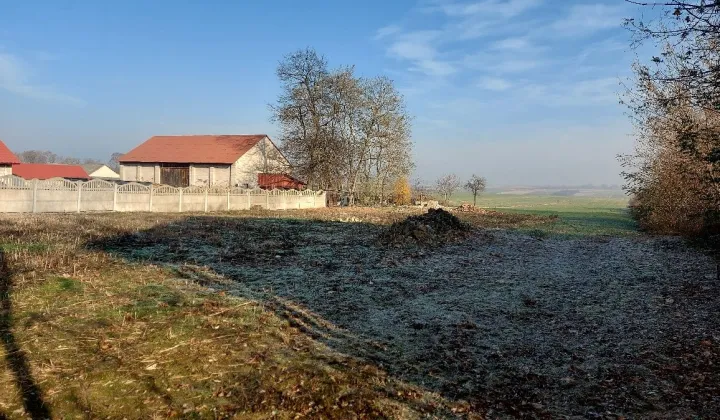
(47, 171)
(225, 149)
(279, 181)
(6, 156)
(202, 160)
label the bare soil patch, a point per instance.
(519, 326)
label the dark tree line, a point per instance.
(46, 156)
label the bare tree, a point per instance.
(476, 185)
(114, 162)
(38, 156)
(446, 186)
(674, 173)
(340, 131)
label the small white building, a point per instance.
(203, 160)
(100, 171)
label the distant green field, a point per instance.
(578, 216)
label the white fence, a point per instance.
(59, 195)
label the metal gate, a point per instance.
(176, 176)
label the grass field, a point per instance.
(305, 314)
(577, 215)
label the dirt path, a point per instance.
(525, 327)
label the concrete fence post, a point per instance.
(115, 188)
(79, 195)
(314, 199)
(206, 198)
(248, 200)
(35, 192)
(267, 199)
(180, 201)
(228, 199)
(150, 202)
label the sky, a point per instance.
(523, 92)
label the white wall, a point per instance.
(202, 175)
(56, 196)
(5, 170)
(104, 172)
(252, 163)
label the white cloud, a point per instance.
(418, 48)
(503, 8)
(501, 63)
(586, 92)
(588, 18)
(410, 50)
(494, 84)
(386, 31)
(513, 44)
(14, 78)
(434, 67)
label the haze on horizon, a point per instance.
(523, 92)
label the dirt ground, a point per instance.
(518, 325)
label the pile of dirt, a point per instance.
(437, 226)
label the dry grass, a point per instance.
(102, 338)
(109, 316)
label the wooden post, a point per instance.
(115, 187)
(79, 198)
(34, 204)
(150, 204)
(180, 201)
(206, 198)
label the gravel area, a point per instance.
(598, 327)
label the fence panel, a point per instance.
(217, 198)
(97, 195)
(16, 194)
(193, 199)
(56, 195)
(166, 199)
(133, 197)
(60, 195)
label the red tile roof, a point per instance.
(280, 181)
(6, 156)
(47, 171)
(225, 149)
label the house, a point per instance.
(100, 171)
(7, 160)
(203, 160)
(49, 170)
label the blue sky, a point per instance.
(521, 91)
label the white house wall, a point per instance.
(104, 172)
(247, 168)
(203, 175)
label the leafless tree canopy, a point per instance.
(446, 186)
(114, 162)
(340, 131)
(674, 173)
(46, 156)
(476, 185)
